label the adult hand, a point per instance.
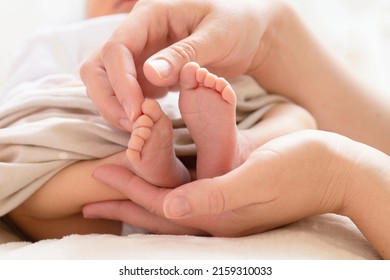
(160, 36)
(290, 178)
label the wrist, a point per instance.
(369, 180)
(289, 53)
(367, 202)
(281, 27)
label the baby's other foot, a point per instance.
(150, 149)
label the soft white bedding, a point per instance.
(358, 30)
(323, 237)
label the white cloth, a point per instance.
(54, 55)
(321, 237)
(42, 124)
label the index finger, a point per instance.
(135, 215)
(119, 56)
(121, 72)
(110, 74)
(94, 77)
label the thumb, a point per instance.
(234, 190)
(163, 68)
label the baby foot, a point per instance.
(150, 149)
(208, 107)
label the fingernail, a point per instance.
(126, 124)
(161, 66)
(87, 215)
(128, 110)
(177, 207)
(99, 174)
